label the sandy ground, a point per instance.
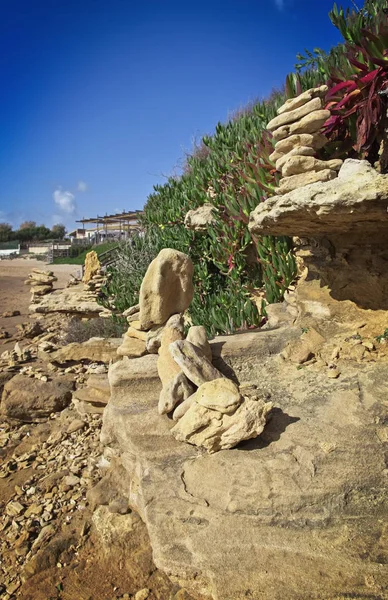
(14, 295)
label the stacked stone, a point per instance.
(41, 283)
(96, 282)
(209, 409)
(296, 130)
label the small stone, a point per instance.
(71, 480)
(76, 425)
(193, 362)
(142, 594)
(14, 508)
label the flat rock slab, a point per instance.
(95, 349)
(294, 514)
(74, 300)
(355, 202)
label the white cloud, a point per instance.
(65, 201)
(279, 4)
(82, 186)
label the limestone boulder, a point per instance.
(167, 288)
(92, 266)
(32, 400)
(201, 218)
(354, 202)
(193, 362)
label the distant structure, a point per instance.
(109, 227)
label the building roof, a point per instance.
(123, 218)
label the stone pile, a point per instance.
(209, 409)
(96, 282)
(41, 283)
(296, 130)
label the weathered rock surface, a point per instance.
(167, 288)
(175, 391)
(295, 182)
(167, 366)
(132, 347)
(316, 141)
(197, 336)
(200, 218)
(293, 103)
(30, 400)
(193, 362)
(218, 430)
(290, 116)
(296, 165)
(305, 500)
(94, 396)
(297, 151)
(356, 201)
(92, 266)
(74, 300)
(311, 123)
(95, 349)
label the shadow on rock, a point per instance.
(277, 424)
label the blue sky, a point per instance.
(101, 98)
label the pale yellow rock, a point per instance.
(167, 367)
(167, 288)
(295, 115)
(132, 347)
(288, 184)
(215, 431)
(295, 165)
(175, 391)
(311, 123)
(220, 394)
(197, 336)
(136, 333)
(293, 103)
(316, 141)
(297, 151)
(193, 362)
(92, 266)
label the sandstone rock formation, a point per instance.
(201, 218)
(218, 418)
(296, 129)
(95, 349)
(71, 301)
(41, 283)
(167, 288)
(222, 524)
(356, 202)
(94, 396)
(31, 400)
(92, 266)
